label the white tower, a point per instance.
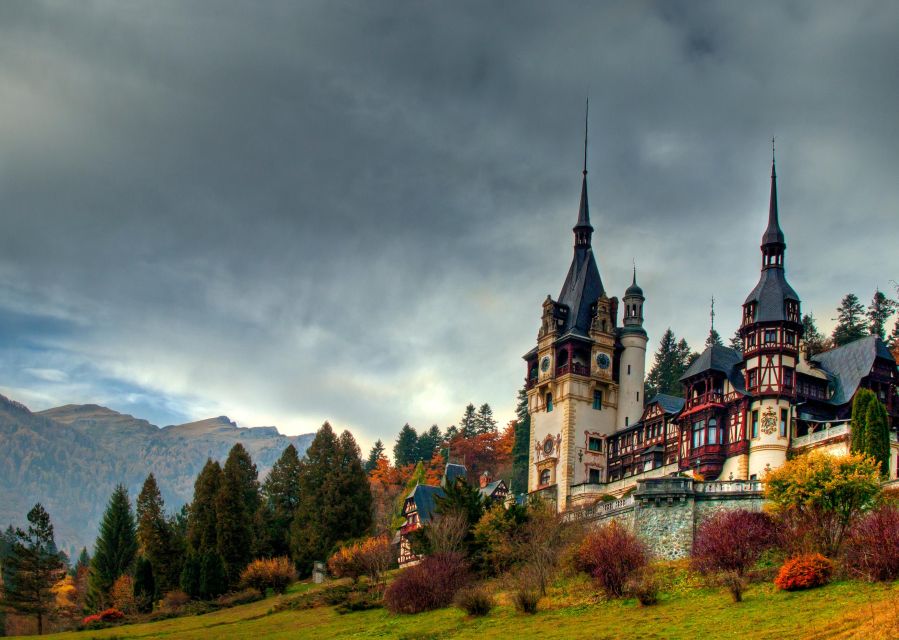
(633, 357)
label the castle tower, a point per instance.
(771, 330)
(633, 356)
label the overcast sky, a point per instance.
(292, 212)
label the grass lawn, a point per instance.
(844, 610)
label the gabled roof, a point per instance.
(850, 363)
(424, 497)
(669, 404)
(714, 358)
(453, 471)
(490, 488)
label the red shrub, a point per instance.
(611, 554)
(431, 584)
(732, 541)
(804, 572)
(872, 549)
(109, 615)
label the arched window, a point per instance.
(544, 477)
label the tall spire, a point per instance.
(773, 234)
(583, 230)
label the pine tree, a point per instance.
(713, 339)
(814, 341)
(84, 561)
(280, 497)
(879, 311)
(859, 420)
(522, 445)
(877, 435)
(484, 421)
(405, 451)
(31, 568)
(335, 498)
(190, 575)
(201, 523)
(213, 580)
(468, 426)
(850, 321)
(669, 363)
(236, 504)
(145, 591)
(376, 453)
(154, 537)
(428, 442)
(116, 546)
(736, 342)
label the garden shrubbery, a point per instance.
(804, 572)
(431, 584)
(872, 547)
(107, 615)
(269, 573)
(370, 557)
(475, 601)
(526, 600)
(611, 554)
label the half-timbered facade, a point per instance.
(594, 434)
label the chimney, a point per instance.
(485, 479)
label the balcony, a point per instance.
(820, 436)
(710, 398)
(574, 368)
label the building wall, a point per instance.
(631, 397)
(768, 450)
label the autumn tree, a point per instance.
(405, 451)
(115, 549)
(815, 342)
(32, 567)
(280, 498)
(154, 536)
(879, 311)
(822, 494)
(850, 321)
(521, 446)
(236, 503)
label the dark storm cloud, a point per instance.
(288, 212)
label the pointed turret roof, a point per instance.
(773, 234)
(634, 289)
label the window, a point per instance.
(788, 377)
(594, 444)
(628, 369)
(544, 477)
(597, 400)
(698, 433)
(593, 476)
(753, 376)
(713, 431)
(770, 336)
(626, 421)
(791, 337)
(549, 402)
(784, 422)
(755, 424)
(750, 339)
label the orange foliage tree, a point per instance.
(490, 451)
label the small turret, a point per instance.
(633, 305)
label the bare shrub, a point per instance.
(173, 601)
(526, 600)
(644, 586)
(872, 547)
(446, 532)
(475, 601)
(431, 584)
(611, 554)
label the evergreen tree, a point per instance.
(145, 592)
(335, 498)
(484, 420)
(154, 537)
(201, 522)
(850, 321)
(376, 453)
(428, 443)
(877, 435)
(280, 498)
(713, 339)
(459, 497)
(405, 451)
(879, 311)
(190, 575)
(893, 339)
(31, 568)
(522, 445)
(213, 580)
(736, 342)
(468, 426)
(669, 363)
(859, 420)
(236, 504)
(115, 548)
(814, 341)
(84, 561)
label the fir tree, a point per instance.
(669, 363)
(468, 426)
(236, 504)
(213, 581)
(405, 451)
(376, 453)
(190, 575)
(879, 311)
(736, 342)
(877, 435)
(115, 548)
(459, 497)
(713, 339)
(522, 445)
(31, 568)
(154, 537)
(201, 523)
(83, 562)
(335, 498)
(814, 341)
(280, 498)
(428, 443)
(145, 592)
(850, 321)
(859, 420)
(484, 420)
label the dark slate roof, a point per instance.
(424, 496)
(773, 234)
(714, 358)
(581, 289)
(634, 289)
(769, 295)
(452, 472)
(490, 488)
(669, 404)
(850, 363)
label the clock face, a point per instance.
(602, 361)
(548, 446)
(544, 364)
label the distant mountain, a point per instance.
(70, 458)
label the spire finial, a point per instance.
(634, 260)
(586, 122)
(712, 316)
(773, 172)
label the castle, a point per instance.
(593, 432)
